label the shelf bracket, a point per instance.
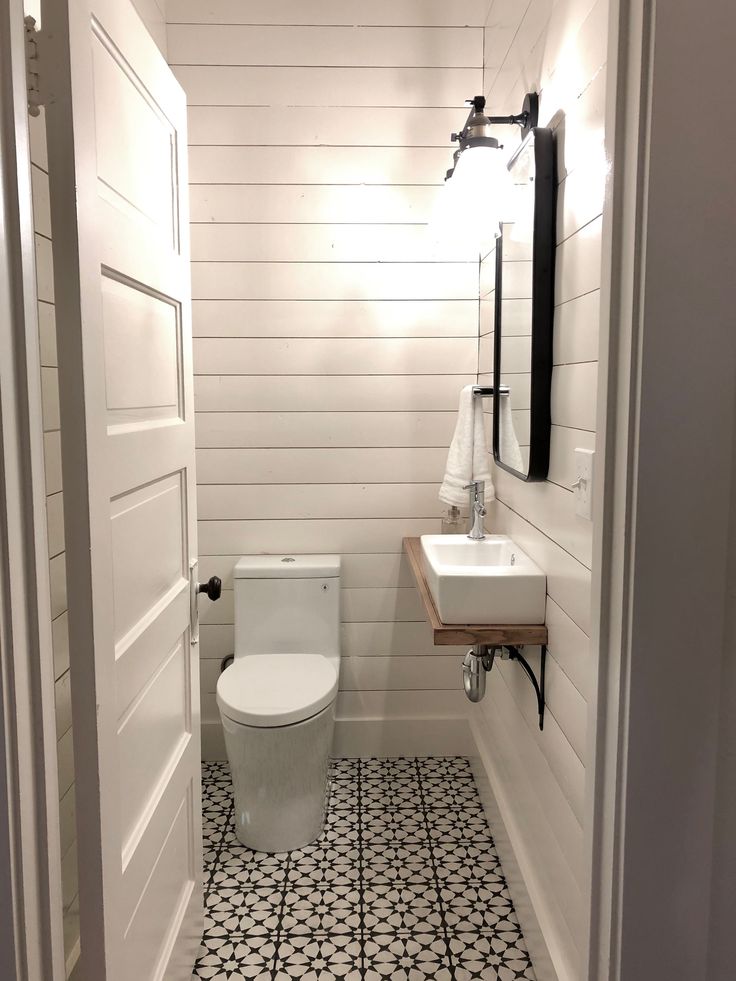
(516, 655)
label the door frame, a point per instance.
(626, 610)
(662, 784)
(31, 936)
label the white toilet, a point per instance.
(277, 698)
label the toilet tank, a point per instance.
(287, 604)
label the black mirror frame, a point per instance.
(543, 290)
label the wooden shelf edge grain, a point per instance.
(451, 634)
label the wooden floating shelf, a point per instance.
(467, 633)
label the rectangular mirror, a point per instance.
(524, 303)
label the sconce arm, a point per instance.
(527, 119)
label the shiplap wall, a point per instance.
(330, 341)
(55, 522)
(559, 49)
(153, 15)
(55, 528)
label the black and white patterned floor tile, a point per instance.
(403, 885)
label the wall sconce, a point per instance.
(477, 189)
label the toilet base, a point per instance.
(280, 781)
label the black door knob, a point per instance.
(213, 587)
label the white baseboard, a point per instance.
(213, 742)
(375, 737)
(402, 737)
(501, 819)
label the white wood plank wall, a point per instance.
(559, 49)
(55, 528)
(153, 15)
(331, 341)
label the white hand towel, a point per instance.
(468, 456)
(509, 448)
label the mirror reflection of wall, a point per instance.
(520, 315)
(515, 249)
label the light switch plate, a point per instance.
(583, 485)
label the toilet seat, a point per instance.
(269, 690)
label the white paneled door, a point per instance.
(117, 160)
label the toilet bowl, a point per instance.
(277, 698)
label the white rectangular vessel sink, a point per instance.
(483, 582)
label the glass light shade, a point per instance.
(483, 193)
(473, 203)
(447, 233)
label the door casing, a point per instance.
(31, 941)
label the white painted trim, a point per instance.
(625, 144)
(31, 940)
(402, 737)
(376, 737)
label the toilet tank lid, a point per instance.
(287, 567)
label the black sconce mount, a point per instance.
(475, 130)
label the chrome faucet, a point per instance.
(477, 490)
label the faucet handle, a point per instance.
(474, 484)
